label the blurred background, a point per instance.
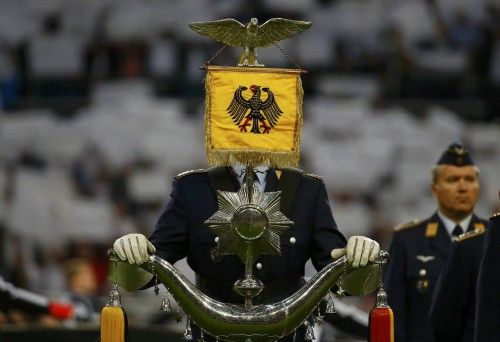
(102, 104)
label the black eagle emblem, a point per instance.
(263, 114)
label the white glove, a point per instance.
(134, 248)
(359, 250)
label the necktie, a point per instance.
(457, 231)
(254, 175)
(255, 178)
(260, 183)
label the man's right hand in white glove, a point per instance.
(134, 248)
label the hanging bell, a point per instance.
(330, 305)
(165, 304)
(309, 331)
(188, 333)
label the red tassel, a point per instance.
(381, 320)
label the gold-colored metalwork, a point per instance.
(250, 36)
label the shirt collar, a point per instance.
(450, 224)
(260, 171)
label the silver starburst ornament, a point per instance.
(248, 225)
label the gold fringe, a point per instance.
(253, 69)
(208, 127)
(253, 158)
(280, 159)
(113, 324)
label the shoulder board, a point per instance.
(294, 169)
(314, 176)
(291, 168)
(495, 215)
(411, 224)
(189, 172)
(471, 234)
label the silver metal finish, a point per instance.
(188, 333)
(236, 323)
(381, 301)
(248, 224)
(114, 296)
(309, 331)
(330, 305)
(165, 304)
(364, 280)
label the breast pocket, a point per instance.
(423, 275)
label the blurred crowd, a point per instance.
(102, 104)
(52, 53)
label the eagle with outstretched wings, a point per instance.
(251, 36)
(260, 113)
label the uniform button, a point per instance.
(216, 239)
(259, 266)
(293, 240)
(422, 272)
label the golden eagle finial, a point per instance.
(250, 36)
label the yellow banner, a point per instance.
(253, 114)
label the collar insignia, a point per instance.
(431, 229)
(479, 226)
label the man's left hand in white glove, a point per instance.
(359, 251)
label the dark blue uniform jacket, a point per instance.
(181, 232)
(453, 307)
(417, 254)
(488, 286)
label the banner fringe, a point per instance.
(253, 158)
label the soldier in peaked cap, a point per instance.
(420, 248)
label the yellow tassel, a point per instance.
(113, 324)
(113, 319)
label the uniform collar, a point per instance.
(239, 169)
(450, 224)
(440, 239)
